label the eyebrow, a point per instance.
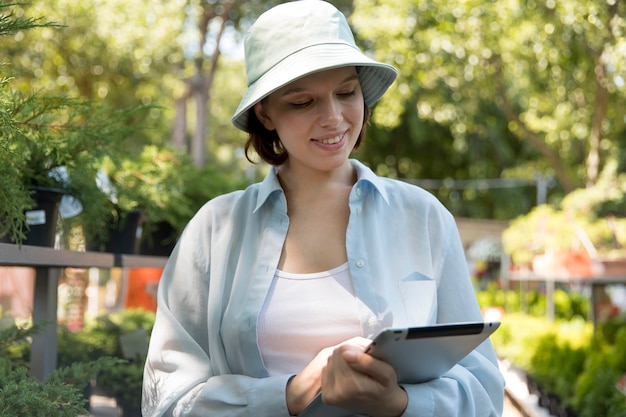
(296, 89)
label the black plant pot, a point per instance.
(158, 239)
(123, 237)
(87, 392)
(531, 383)
(42, 219)
(126, 409)
(554, 406)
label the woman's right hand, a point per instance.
(302, 388)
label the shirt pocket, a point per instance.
(419, 295)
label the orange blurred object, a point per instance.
(142, 287)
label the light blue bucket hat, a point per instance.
(296, 39)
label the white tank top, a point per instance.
(303, 314)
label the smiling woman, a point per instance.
(271, 293)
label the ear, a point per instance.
(261, 114)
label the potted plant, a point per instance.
(162, 186)
(584, 236)
(170, 189)
(16, 197)
(51, 143)
(137, 193)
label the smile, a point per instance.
(331, 140)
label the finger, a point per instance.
(374, 368)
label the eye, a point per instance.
(348, 94)
(301, 105)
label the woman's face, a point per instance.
(318, 118)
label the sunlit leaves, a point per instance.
(536, 60)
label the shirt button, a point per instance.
(358, 191)
(372, 321)
(360, 263)
(358, 210)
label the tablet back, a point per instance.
(419, 354)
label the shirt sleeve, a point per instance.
(186, 373)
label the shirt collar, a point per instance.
(270, 184)
(366, 176)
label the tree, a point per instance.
(198, 85)
(117, 52)
(553, 71)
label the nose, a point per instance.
(330, 112)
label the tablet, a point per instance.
(418, 354)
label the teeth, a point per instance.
(331, 141)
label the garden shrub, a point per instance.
(568, 305)
(61, 395)
(568, 359)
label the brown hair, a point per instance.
(267, 145)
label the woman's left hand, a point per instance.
(359, 382)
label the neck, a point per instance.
(303, 180)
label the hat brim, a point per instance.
(375, 77)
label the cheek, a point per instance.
(356, 113)
(287, 124)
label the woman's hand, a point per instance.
(361, 383)
(302, 388)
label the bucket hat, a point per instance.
(295, 39)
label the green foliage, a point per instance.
(24, 396)
(14, 343)
(124, 382)
(12, 200)
(101, 336)
(568, 304)
(507, 75)
(152, 182)
(515, 336)
(596, 394)
(41, 132)
(83, 346)
(527, 90)
(579, 219)
(542, 228)
(555, 363)
(11, 23)
(568, 359)
(62, 393)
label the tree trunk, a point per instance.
(201, 97)
(179, 128)
(595, 136)
(601, 106)
(201, 87)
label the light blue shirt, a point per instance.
(408, 268)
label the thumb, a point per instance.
(351, 356)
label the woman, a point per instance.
(271, 292)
